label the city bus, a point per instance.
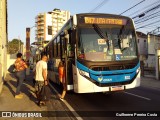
(98, 52)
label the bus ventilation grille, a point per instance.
(113, 67)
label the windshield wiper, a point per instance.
(101, 34)
(120, 33)
(99, 31)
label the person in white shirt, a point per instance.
(41, 74)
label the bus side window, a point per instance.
(71, 44)
(63, 46)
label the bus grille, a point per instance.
(113, 67)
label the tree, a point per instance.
(14, 46)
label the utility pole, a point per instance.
(19, 45)
(27, 43)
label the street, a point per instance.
(141, 100)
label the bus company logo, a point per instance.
(100, 79)
(127, 78)
(107, 80)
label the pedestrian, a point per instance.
(20, 67)
(25, 69)
(41, 77)
(62, 79)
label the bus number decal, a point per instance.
(127, 77)
(89, 20)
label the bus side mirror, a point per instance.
(66, 35)
(70, 50)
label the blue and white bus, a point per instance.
(99, 53)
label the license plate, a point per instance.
(117, 88)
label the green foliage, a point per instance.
(14, 46)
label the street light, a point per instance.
(141, 15)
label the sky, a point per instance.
(22, 13)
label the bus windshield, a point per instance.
(107, 43)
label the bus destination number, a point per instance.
(101, 41)
(92, 20)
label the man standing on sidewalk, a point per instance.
(41, 74)
(20, 67)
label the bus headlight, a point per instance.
(83, 73)
(138, 70)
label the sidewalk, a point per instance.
(28, 102)
(150, 81)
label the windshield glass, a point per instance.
(107, 43)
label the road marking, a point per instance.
(68, 105)
(138, 96)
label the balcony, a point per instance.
(40, 15)
(56, 12)
(40, 19)
(54, 25)
(61, 17)
(40, 36)
(40, 23)
(40, 32)
(54, 28)
(54, 16)
(40, 28)
(54, 32)
(54, 20)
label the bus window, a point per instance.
(58, 47)
(63, 46)
(52, 48)
(55, 48)
(70, 45)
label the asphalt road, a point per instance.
(100, 106)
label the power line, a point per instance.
(132, 7)
(142, 9)
(147, 11)
(149, 18)
(99, 5)
(148, 24)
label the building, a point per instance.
(59, 18)
(142, 45)
(153, 45)
(48, 24)
(43, 21)
(3, 41)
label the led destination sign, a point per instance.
(94, 20)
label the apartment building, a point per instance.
(59, 18)
(43, 22)
(48, 24)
